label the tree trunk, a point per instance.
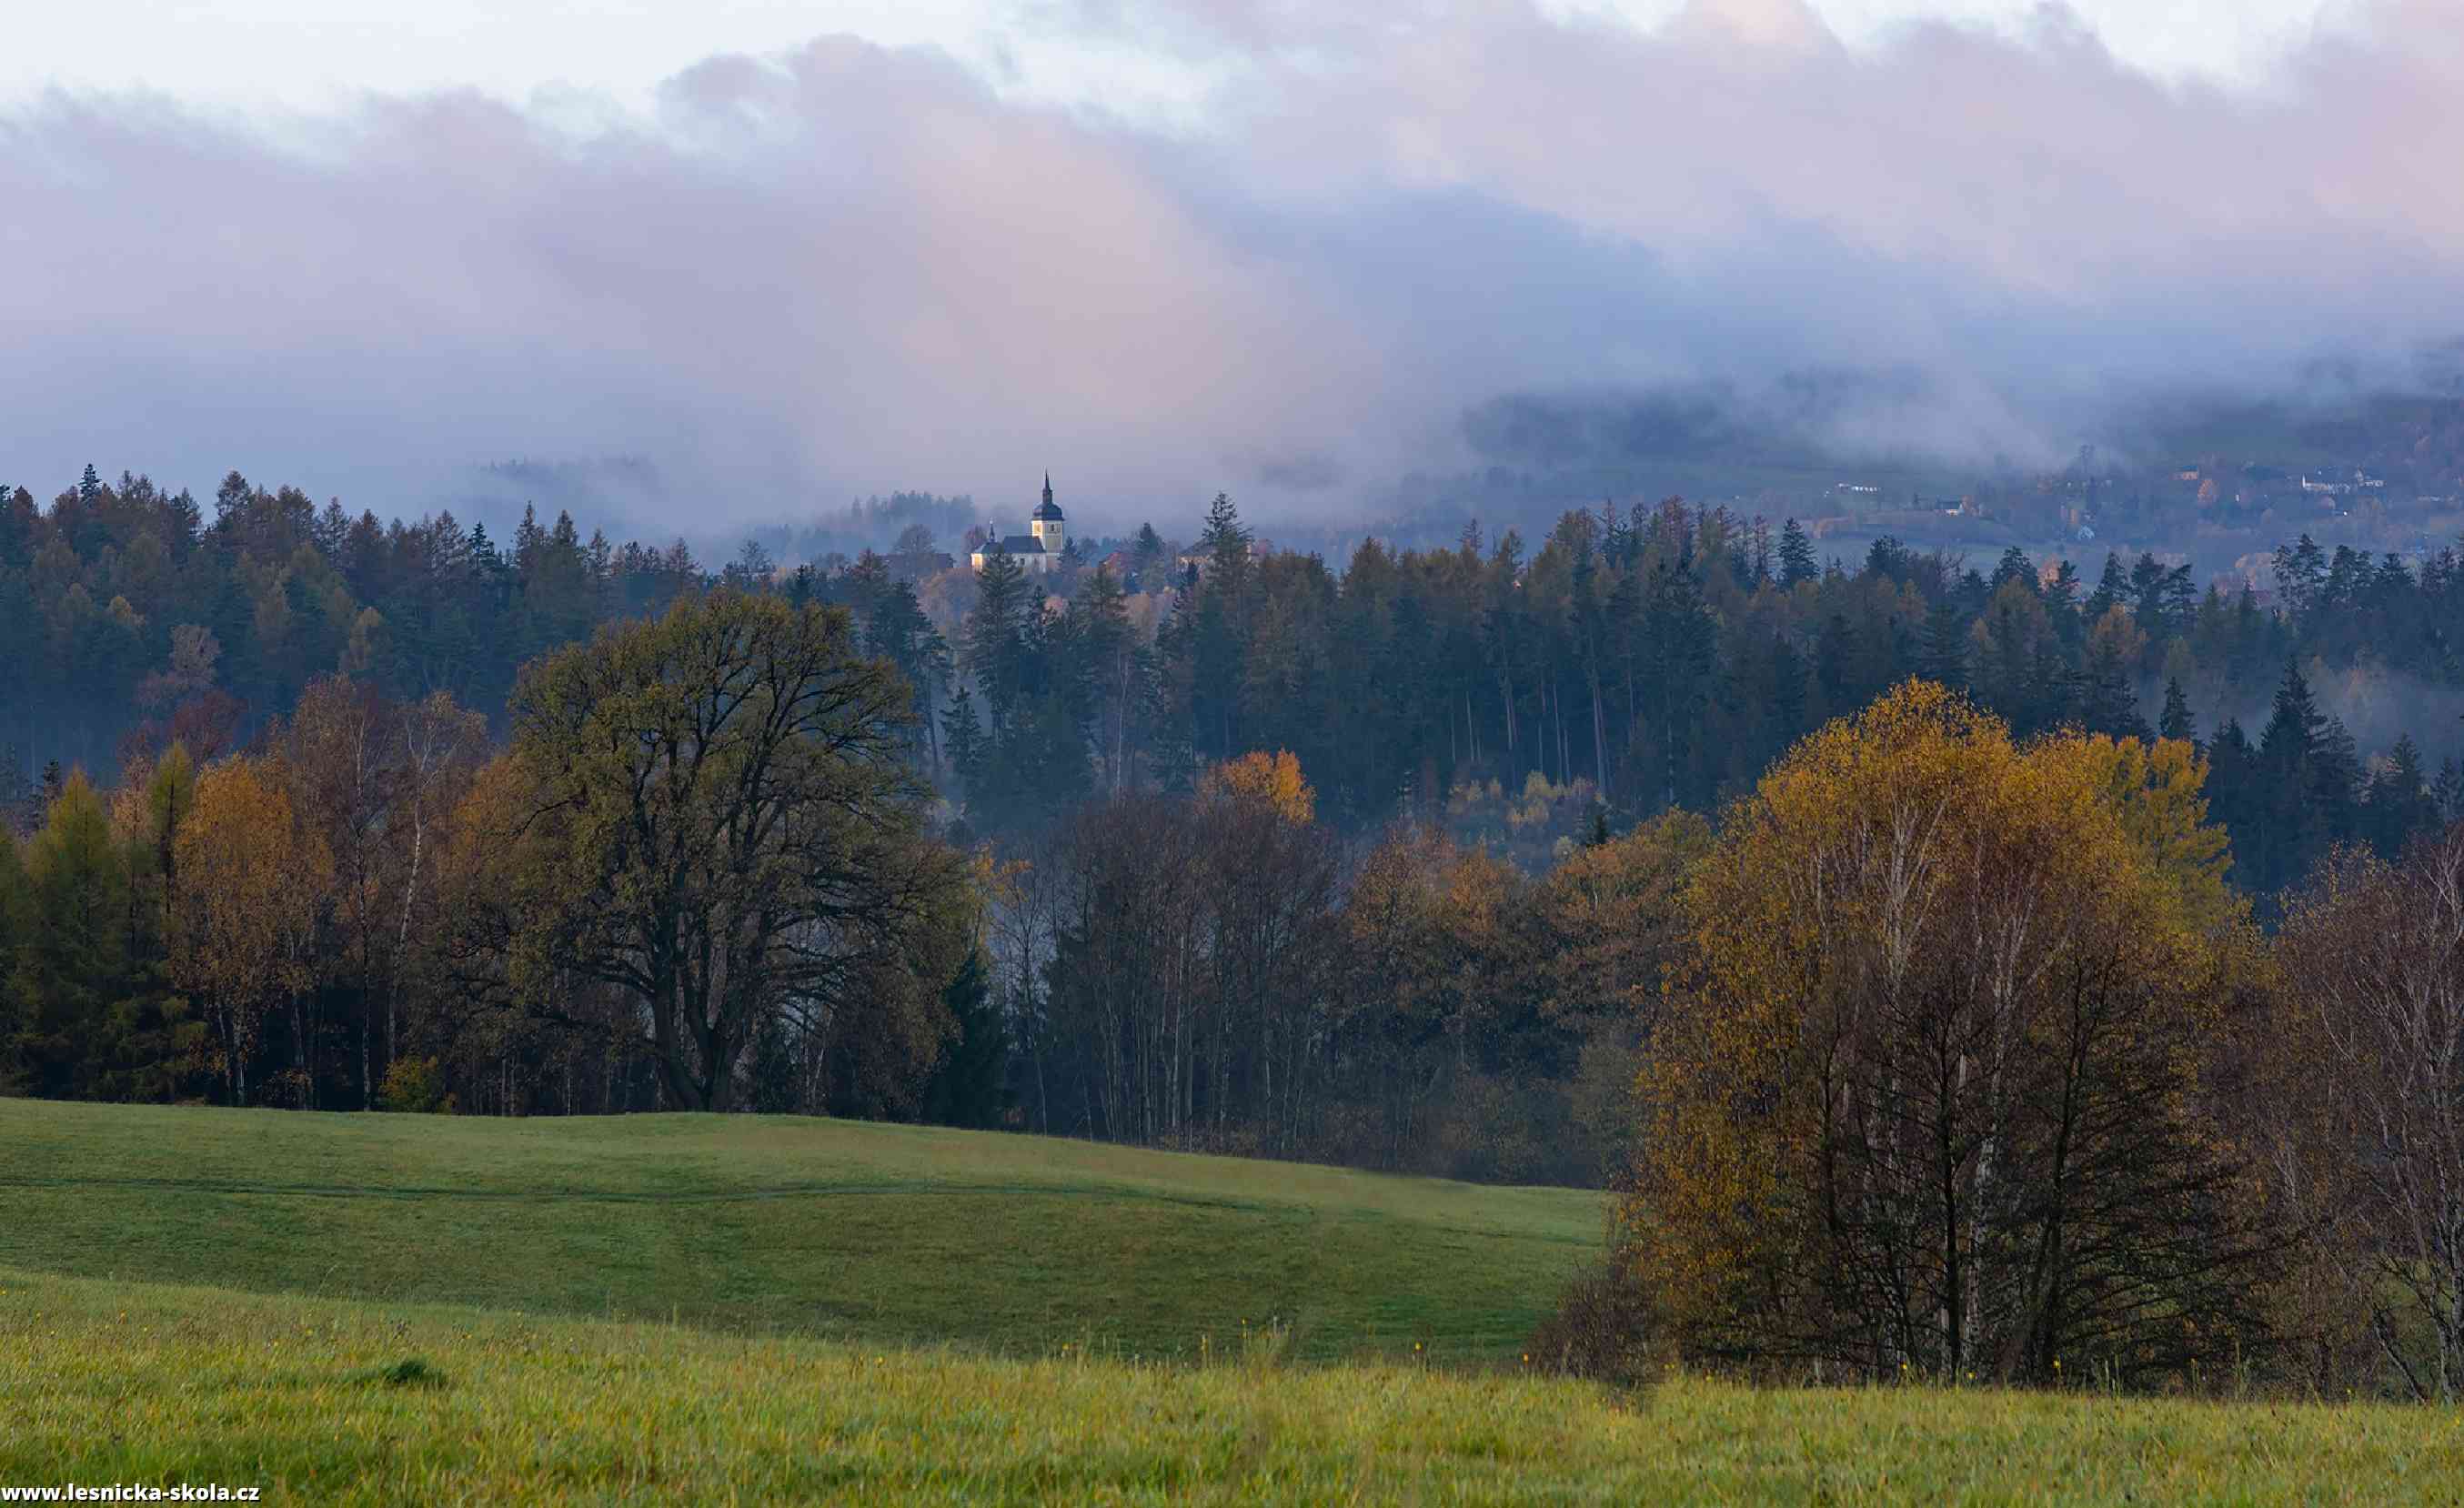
(1599, 733)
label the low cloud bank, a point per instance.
(850, 270)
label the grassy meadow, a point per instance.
(330, 1401)
(375, 1309)
(891, 1234)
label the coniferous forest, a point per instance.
(1208, 844)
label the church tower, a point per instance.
(1045, 525)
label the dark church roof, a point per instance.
(1021, 544)
(1047, 514)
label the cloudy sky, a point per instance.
(790, 253)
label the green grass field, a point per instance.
(841, 1230)
(703, 1309)
(312, 1400)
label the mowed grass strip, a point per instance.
(871, 1233)
(330, 1401)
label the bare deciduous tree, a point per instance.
(2374, 955)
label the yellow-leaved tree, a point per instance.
(1935, 1092)
(243, 915)
(1274, 779)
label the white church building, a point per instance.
(1038, 551)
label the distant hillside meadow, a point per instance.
(873, 1233)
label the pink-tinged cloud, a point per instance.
(849, 270)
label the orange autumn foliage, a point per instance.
(1932, 1091)
(240, 932)
(1274, 778)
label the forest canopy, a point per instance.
(1202, 844)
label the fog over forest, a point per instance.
(846, 269)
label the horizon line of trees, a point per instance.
(1647, 657)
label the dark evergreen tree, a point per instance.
(2304, 775)
(2300, 575)
(2112, 590)
(963, 734)
(1147, 551)
(2176, 721)
(971, 1085)
(1833, 670)
(997, 631)
(1796, 562)
(2448, 794)
(2397, 804)
(1788, 720)
(2062, 604)
(1943, 657)
(2105, 703)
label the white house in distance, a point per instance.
(1038, 551)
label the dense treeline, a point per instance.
(129, 618)
(1663, 658)
(1255, 855)
(1648, 657)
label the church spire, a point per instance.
(1048, 489)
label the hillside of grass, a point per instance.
(329, 1401)
(845, 1230)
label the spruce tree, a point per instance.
(1225, 541)
(2105, 703)
(1146, 552)
(2295, 727)
(962, 733)
(2112, 590)
(993, 651)
(2448, 792)
(2398, 805)
(2176, 722)
(1835, 651)
(1943, 657)
(1796, 562)
(2062, 604)
(1788, 695)
(2235, 800)
(971, 1086)
(2289, 824)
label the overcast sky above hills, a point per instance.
(1166, 248)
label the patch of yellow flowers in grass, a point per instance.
(334, 1402)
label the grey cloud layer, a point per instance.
(850, 270)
